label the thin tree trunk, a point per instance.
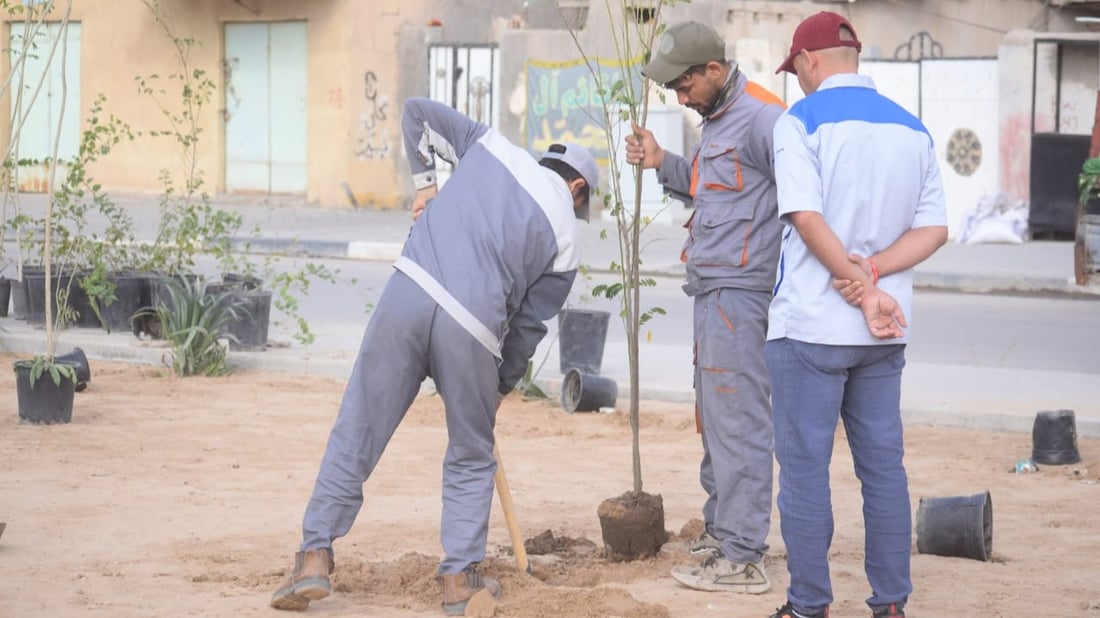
(51, 328)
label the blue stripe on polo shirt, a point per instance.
(852, 103)
(782, 261)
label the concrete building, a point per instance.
(306, 99)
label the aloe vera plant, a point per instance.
(194, 324)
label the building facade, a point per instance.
(307, 93)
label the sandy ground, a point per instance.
(169, 497)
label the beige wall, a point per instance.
(353, 131)
(373, 108)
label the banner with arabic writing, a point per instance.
(564, 102)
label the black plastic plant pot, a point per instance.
(131, 294)
(79, 363)
(584, 392)
(957, 527)
(36, 284)
(1054, 438)
(18, 299)
(250, 328)
(243, 282)
(581, 337)
(35, 290)
(45, 403)
(159, 293)
(5, 297)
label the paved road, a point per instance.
(982, 360)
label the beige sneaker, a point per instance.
(459, 588)
(716, 574)
(307, 582)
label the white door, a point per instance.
(265, 107)
(36, 97)
(956, 99)
(959, 108)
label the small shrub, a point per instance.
(43, 365)
(194, 324)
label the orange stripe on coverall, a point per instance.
(721, 389)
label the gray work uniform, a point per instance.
(731, 255)
(488, 261)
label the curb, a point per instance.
(981, 421)
(1002, 284)
(987, 421)
(390, 251)
(355, 250)
(101, 346)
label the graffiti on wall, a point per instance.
(565, 104)
(373, 143)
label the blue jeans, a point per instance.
(812, 386)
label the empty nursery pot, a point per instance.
(584, 392)
(959, 527)
(582, 334)
(5, 296)
(80, 365)
(1054, 438)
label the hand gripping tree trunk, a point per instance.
(633, 523)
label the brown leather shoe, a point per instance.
(459, 588)
(307, 582)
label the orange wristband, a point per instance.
(874, 271)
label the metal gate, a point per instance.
(466, 77)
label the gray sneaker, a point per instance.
(705, 545)
(716, 574)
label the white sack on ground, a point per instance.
(998, 218)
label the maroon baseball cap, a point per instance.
(820, 31)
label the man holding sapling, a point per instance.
(731, 254)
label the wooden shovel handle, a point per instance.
(509, 509)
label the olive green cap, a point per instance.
(681, 47)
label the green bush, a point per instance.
(43, 366)
(194, 324)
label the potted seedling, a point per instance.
(1086, 250)
(95, 258)
(632, 524)
(45, 386)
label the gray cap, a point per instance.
(681, 47)
(580, 159)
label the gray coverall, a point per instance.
(490, 259)
(731, 255)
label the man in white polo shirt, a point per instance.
(860, 191)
